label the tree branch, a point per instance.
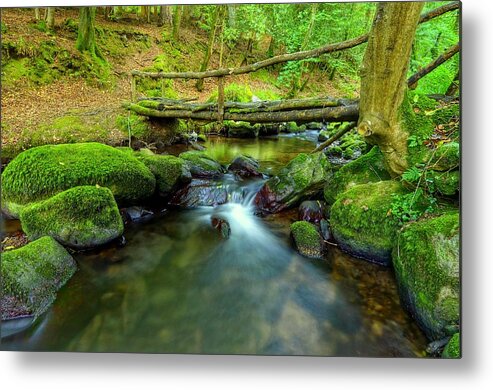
(344, 129)
(449, 53)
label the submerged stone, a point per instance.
(426, 263)
(307, 239)
(200, 193)
(81, 217)
(39, 173)
(34, 273)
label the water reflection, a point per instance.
(179, 287)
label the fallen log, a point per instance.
(262, 106)
(330, 114)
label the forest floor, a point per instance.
(31, 103)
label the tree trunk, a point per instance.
(210, 46)
(86, 38)
(454, 86)
(36, 13)
(177, 21)
(383, 80)
(50, 18)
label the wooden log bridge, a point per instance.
(295, 110)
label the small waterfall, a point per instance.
(242, 193)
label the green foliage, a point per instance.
(234, 93)
(133, 125)
(3, 27)
(452, 349)
(432, 39)
(266, 94)
(34, 273)
(81, 217)
(44, 171)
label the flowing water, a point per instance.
(178, 286)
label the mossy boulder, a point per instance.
(362, 223)
(81, 217)
(452, 349)
(41, 172)
(302, 178)
(446, 157)
(170, 172)
(307, 239)
(368, 168)
(446, 183)
(201, 165)
(426, 263)
(241, 129)
(292, 127)
(245, 167)
(35, 272)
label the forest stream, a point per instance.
(178, 286)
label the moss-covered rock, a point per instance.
(201, 165)
(452, 349)
(362, 223)
(303, 177)
(292, 127)
(35, 272)
(446, 183)
(170, 171)
(426, 263)
(44, 171)
(245, 167)
(81, 217)
(368, 168)
(307, 239)
(241, 129)
(446, 157)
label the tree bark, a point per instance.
(86, 37)
(50, 18)
(449, 53)
(383, 81)
(36, 13)
(177, 21)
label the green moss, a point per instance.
(362, 223)
(81, 217)
(426, 263)
(303, 177)
(292, 127)
(452, 349)
(35, 272)
(239, 129)
(170, 171)
(44, 171)
(447, 183)
(234, 93)
(365, 169)
(446, 157)
(307, 239)
(201, 165)
(137, 125)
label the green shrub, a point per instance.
(234, 93)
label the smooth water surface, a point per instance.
(178, 286)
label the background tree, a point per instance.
(50, 18)
(86, 36)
